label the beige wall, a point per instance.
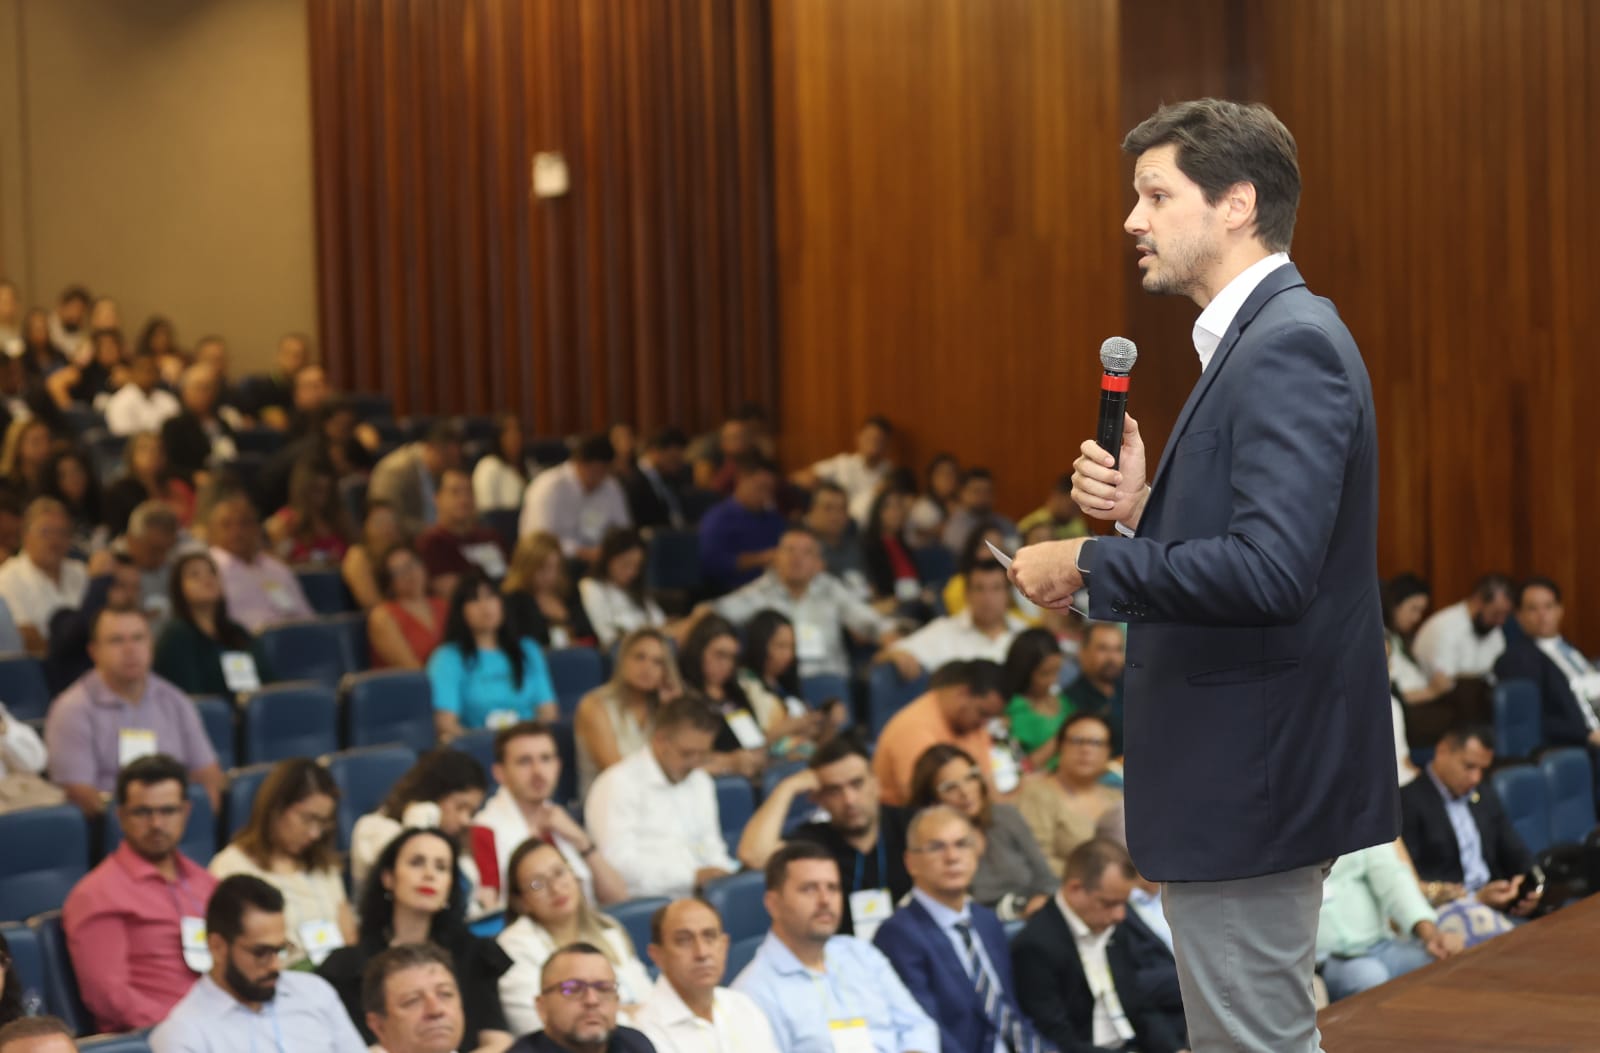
(159, 151)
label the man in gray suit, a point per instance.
(1256, 686)
(409, 477)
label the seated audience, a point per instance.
(69, 478)
(1405, 601)
(1062, 807)
(985, 629)
(1012, 878)
(145, 477)
(654, 814)
(615, 719)
(483, 674)
(625, 445)
(150, 546)
(413, 897)
(442, 792)
(42, 578)
(97, 378)
(975, 552)
(1082, 962)
(1405, 768)
(1059, 516)
(260, 588)
(26, 457)
(69, 323)
(716, 454)
(974, 505)
(1460, 839)
(202, 650)
(1365, 894)
(40, 357)
(134, 924)
(213, 351)
(272, 393)
(22, 784)
(614, 597)
(159, 339)
(962, 698)
(198, 439)
(865, 837)
(1465, 638)
(539, 600)
(887, 557)
(688, 1003)
(334, 438)
(412, 1000)
(380, 532)
(931, 510)
(141, 404)
(246, 993)
(1102, 658)
(578, 501)
(1145, 900)
(1568, 683)
(769, 669)
(859, 474)
(546, 910)
(828, 517)
(578, 1003)
(121, 711)
(951, 951)
(309, 398)
(408, 478)
(659, 489)
(288, 843)
(501, 474)
(409, 624)
(818, 605)
(864, 1002)
(739, 535)
(457, 542)
(708, 663)
(314, 526)
(67, 658)
(1036, 709)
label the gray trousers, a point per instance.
(1246, 954)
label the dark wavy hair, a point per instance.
(437, 774)
(1028, 652)
(758, 634)
(618, 542)
(458, 634)
(376, 911)
(230, 634)
(925, 780)
(11, 994)
(84, 512)
(692, 659)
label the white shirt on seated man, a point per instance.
(689, 1010)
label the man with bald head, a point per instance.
(689, 1010)
(578, 1004)
(36, 1034)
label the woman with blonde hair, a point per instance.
(615, 719)
(25, 457)
(538, 597)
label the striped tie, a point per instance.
(1018, 1037)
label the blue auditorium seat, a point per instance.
(27, 961)
(825, 687)
(199, 836)
(936, 565)
(264, 441)
(672, 560)
(133, 1042)
(1518, 725)
(43, 853)
(220, 717)
(351, 630)
(61, 997)
(10, 636)
(567, 744)
(297, 719)
(736, 803)
(574, 672)
(324, 589)
(634, 917)
(887, 694)
(240, 797)
(388, 705)
(740, 954)
(308, 649)
(369, 405)
(365, 777)
(739, 899)
(22, 684)
(504, 522)
(803, 805)
(479, 745)
(1569, 789)
(1522, 791)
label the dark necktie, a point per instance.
(1018, 1038)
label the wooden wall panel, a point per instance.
(646, 294)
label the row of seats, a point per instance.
(1551, 802)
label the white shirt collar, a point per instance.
(1214, 321)
(668, 1005)
(1081, 932)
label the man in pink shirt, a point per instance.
(260, 589)
(135, 925)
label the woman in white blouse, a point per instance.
(614, 595)
(1405, 602)
(546, 910)
(501, 474)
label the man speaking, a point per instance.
(1258, 745)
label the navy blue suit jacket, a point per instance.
(927, 964)
(1563, 720)
(1257, 721)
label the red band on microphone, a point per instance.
(1108, 382)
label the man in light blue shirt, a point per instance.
(246, 1001)
(822, 992)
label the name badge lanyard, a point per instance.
(277, 1029)
(861, 867)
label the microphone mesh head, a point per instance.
(1117, 355)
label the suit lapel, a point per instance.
(945, 953)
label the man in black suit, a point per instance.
(1080, 959)
(1257, 722)
(659, 486)
(1458, 835)
(1568, 683)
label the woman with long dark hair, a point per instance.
(314, 526)
(1035, 708)
(708, 663)
(145, 477)
(501, 475)
(614, 595)
(886, 550)
(69, 478)
(930, 511)
(1406, 599)
(201, 649)
(483, 674)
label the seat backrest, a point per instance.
(388, 705)
(43, 853)
(634, 917)
(1569, 787)
(240, 797)
(365, 777)
(504, 522)
(887, 694)
(350, 629)
(823, 688)
(935, 564)
(567, 745)
(740, 954)
(61, 995)
(574, 672)
(199, 836)
(220, 717)
(740, 899)
(736, 803)
(324, 589)
(479, 745)
(1522, 791)
(27, 962)
(133, 1042)
(297, 719)
(672, 560)
(308, 649)
(22, 683)
(1518, 725)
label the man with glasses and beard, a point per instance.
(248, 998)
(578, 1004)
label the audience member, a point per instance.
(975, 553)
(985, 629)
(614, 597)
(232, 406)
(197, 439)
(69, 478)
(42, 578)
(1098, 689)
(578, 501)
(659, 490)
(1568, 683)
(406, 628)
(931, 511)
(1036, 710)
(159, 339)
(1013, 877)
(314, 526)
(804, 961)
(40, 357)
(335, 438)
(625, 444)
(539, 600)
(818, 605)
(962, 698)
(1365, 894)
(1063, 807)
(150, 547)
(1405, 601)
(615, 719)
(413, 898)
(886, 551)
(546, 909)
(412, 1001)
(739, 536)
(26, 457)
(708, 663)
(135, 925)
(483, 674)
(577, 1002)
(145, 477)
(1081, 963)
(1145, 900)
(272, 395)
(689, 1008)
(380, 533)
(442, 792)
(457, 542)
(501, 475)
(1465, 638)
(951, 951)
(769, 676)
(828, 517)
(654, 814)
(141, 404)
(974, 505)
(715, 456)
(408, 478)
(120, 712)
(97, 377)
(1059, 513)
(69, 322)
(37, 1034)
(247, 992)
(202, 650)
(309, 397)
(260, 588)
(288, 842)
(859, 474)
(527, 767)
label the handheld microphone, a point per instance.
(1117, 356)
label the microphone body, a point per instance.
(1117, 356)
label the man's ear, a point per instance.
(1239, 204)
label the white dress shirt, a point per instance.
(1111, 1027)
(529, 946)
(1580, 673)
(496, 485)
(21, 749)
(955, 639)
(613, 613)
(737, 1024)
(131, 411)
(1447, 643)
(858, 479)
(33, 596)
(557, 502)
(654, 832)
(1213, 323)
(501, 817)
(1406, 674)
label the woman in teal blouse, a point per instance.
(201, 650)
(483, 675)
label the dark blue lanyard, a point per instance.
(883, 866)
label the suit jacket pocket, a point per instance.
(1249, 673)
(1202, 441)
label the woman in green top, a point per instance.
(1037, 710)
(201, 649)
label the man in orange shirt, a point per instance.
(962, 698)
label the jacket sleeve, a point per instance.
(1042, 986)
(1563, 724)
(911, 965)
